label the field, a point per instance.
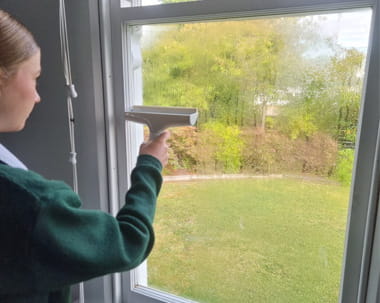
(250, 240)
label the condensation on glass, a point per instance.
(255, 198)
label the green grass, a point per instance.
(251, 240)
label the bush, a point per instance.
(318, 154)
(229, 151)
(265, 152)
(343, 170)
(215, 147)
(221, 146)
(274, 152)
(182, 154)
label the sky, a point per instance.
(350, 28)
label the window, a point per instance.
(252, 263)
(264, 143)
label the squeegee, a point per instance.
(159, 118)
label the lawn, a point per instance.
(250, 240)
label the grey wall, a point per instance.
(44, 144)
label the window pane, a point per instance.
(134, 3)
(254, 204)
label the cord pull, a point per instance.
(72, 91)
(73, 158)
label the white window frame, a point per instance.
(122, 81)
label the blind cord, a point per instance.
(70, 94)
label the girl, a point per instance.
(47, 242)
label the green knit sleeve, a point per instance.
(71, 244)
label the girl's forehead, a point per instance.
(33, 64)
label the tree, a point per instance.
(327, 99)
(347, 73)
(229, 70)
(233, 70)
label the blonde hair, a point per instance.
(17, 44)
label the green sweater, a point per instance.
(49, 243)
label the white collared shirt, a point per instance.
(7, 157)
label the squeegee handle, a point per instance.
(153, 135)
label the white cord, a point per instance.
(71, 93)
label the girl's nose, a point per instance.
(37, 98)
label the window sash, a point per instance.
(121, 85)
(369, 289)
(219, 9)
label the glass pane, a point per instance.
(134, 3)
(254, 204)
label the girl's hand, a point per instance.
(157, 148)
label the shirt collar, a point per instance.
(8, 158)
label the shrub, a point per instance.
(263, 150)
(215, 147)
(219, 148)
(182, 154)
(318, 154)
(274, 152)
(206, 148)
(343, 170)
